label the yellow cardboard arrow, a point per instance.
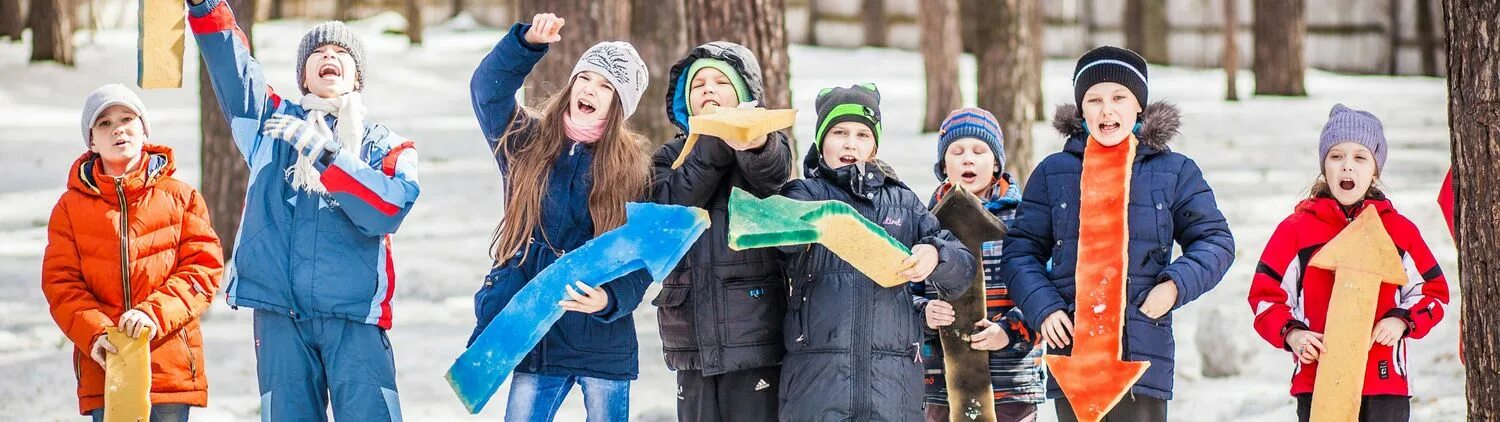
(1361, 257)
(734, 126)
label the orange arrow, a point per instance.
(1095, 377)
(1361, 257)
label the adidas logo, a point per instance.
(762, 385)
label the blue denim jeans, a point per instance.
(165, 412)
(536, 398)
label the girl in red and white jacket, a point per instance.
(1291, 299)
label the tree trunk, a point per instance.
(51, 23)
(1038, 25)
(759, 25)
(1009, 67)
(1280, 30)
(343, 10)
(588, 23)
(224, 171)
(812, 22)
(1146, 29)
(414, 21)
(12, 19)
(656, 29)
(457, 7)
(876, 28)
(1473, 107)
(1426, 41)
(941, 48)
(968, 26)
(278, 9)
(1231, 50)
(1393, 34)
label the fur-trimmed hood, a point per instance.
(1161, 122)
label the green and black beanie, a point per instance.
(857, 103)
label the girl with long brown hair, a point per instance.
(550, 160)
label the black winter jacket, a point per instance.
(852, 345)
(721, 310)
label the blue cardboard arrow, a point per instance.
(654, 237)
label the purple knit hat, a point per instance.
(1349, 125)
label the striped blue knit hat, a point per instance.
(970, 122)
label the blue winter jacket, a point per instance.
(300, 254)
(601, 345)
(1169, 202)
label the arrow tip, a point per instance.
(1363, 246)
(1093, 385)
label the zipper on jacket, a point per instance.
(124, 241)
(573, 149)
(192, 363)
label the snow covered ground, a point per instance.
(1259, 155)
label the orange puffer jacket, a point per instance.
(159, 247)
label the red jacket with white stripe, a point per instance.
(1286, 293)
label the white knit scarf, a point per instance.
(349, 130)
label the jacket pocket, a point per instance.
(753, 310)
(1162, 208)
(675, 317)
(500, 285)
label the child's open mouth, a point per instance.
(968, 176)
(1108, 127)
(329, 71)
(847, 159)
(585, 107)
(705, 103)
(1346, 184)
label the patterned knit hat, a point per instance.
(741, 92)
(970, 122)
(1349, 125)
(104, 97)
(331, 32)
(621, 65)
(1110, 64)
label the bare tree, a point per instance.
(941, 47)
(343, 9)
(1426, 41)
(1473, 96)
(588, 22)
(414, 21)
(1009, 66)
(224, 171)
(812, 22)
(456, 7)
(876, 26)
(51, 23)
(759, 25)
(12, 19)
(1280, 31)
(1146, 29)
(1231, 51)
(657, 30)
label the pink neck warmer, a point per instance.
(585, 133)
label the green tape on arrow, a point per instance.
(781, 221)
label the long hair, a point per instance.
(621, 170)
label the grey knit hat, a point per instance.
(621, 65)
(104, 97)
(331, 32)
(1349, 125)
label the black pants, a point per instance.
(1371, 408)
(1132, 408)
(748, 395)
